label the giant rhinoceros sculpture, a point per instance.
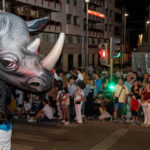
(19, 65)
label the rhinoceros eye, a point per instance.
(8, 63)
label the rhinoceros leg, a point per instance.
(2, 96)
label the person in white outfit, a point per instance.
(78, 97)
(146, 105)
(5, 132)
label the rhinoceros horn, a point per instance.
(50, 60)
(33, 46)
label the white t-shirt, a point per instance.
(19, 97)
(80, 77)
(67, 102)
(123, 94)
(27, 107)
(79, 94)
(48, 112)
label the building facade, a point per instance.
(69, 16)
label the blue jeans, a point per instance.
(118, 106)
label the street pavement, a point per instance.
(92, 135)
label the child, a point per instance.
(65, 104)
(27, 107)
(134, 108)
(58, 103)
(5, 132)
(78, 97)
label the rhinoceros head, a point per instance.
(19, 65)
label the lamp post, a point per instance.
(4, 5)
(83, 59)
(147, 22)
(125, 27)
(124, 23)
(87, 34)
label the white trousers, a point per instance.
(5, 146)
(78, 113)
(146, 111)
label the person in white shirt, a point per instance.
(121, 96)
(65, 105)
(27, 106)
(79, 77)
(46, 113)
(19, 97)
(78, 98)
(5, 132)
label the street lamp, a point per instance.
(87, 25)
(146, 35)
(125, 15)
(4, 5)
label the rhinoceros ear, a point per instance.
(37, 24)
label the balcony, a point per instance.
(47, 4)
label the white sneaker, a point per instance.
(31, 120)
(67, 123)
(63, 121)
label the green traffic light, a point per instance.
(117, 55)
(111, 87)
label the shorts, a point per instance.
(118, 106)
(134, 113)
(65, 105)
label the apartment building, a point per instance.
(69, 16)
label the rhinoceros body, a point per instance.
(19, 65)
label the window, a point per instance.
(105, 27)
(93, 41)
(110, 13)
(79, 60)
(68, 19)
(76, 20)
(75, 2)
(78, 39)
(106, 12)
(110, 28)
(70, 39)
(68, 1)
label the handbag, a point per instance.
(117, 98)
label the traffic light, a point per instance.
(111, 87)
(116, 47)
(103, 53)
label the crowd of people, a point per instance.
(77, 95)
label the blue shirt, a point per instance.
(128, 85)
(71, 89)
(87, 90)
(6, 126)
(98, 84)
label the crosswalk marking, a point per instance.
(30, 137)
(42, 129)
(110, 140)
(21, 147)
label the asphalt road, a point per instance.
(93, 135)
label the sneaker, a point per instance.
(31, 120)
(115, 121)
(131, 121)
(67, 123)
(63, 121)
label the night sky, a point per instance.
(137, 10)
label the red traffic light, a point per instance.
(102, 53)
